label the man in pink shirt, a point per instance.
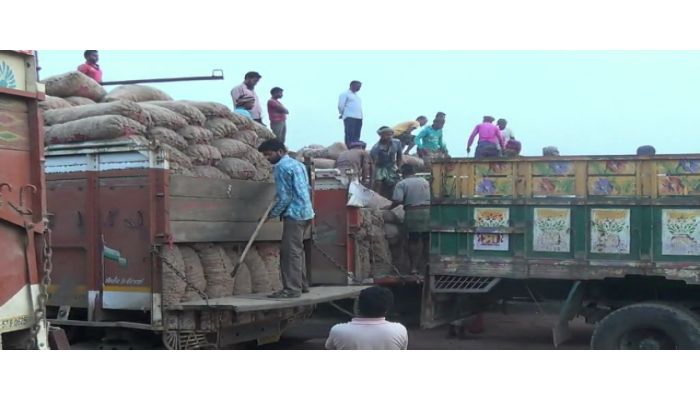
(489, 139)
(248, 87)
(91, 67)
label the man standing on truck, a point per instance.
(295, 207)
(248, 87)
(430, 143)
(91, 67)
(413, 193)
(386, 158)
(278, 114)
(350, 109)
(404, 132)
(357, 159)
(371, 330)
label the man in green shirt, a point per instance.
(430, 143)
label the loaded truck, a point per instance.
(616, 239)
(117, 209)
(25, 236)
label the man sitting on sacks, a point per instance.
(357, 160)
(387, 157)
(413, 193)
(430, 143)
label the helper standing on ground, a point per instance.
(295, 207)
(278, 114)
(371, 330)
(350, 109)
(430, 142)
(248, 88)
(357, 159)
(404, 133)
(91, 67)
(387, 158)
(413, 193)
(490, 139)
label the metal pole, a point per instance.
(216, 75)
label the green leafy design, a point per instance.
(549, 225)
(666, 167)
(682, 226)
(542, 169)
(504, 187)
(626, 186)
(565, 185)
(609, 226)
(597, 168)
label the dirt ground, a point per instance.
(503, 332)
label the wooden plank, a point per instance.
(261, 302)
(186, 186)
(217, 210)
(218, 232)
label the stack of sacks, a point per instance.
(71, 89)
(323, 157)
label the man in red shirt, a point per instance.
(91, 68)
(278, 114)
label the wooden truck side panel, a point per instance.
(578, 218)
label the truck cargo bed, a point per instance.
(260, 302)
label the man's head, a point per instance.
(385, 134)
(375, 302)
(489, 120)
(550, 151)
(422, 121)
(277, 93)
(513, 148)
(441, 115)
(355, 86)
(91, 56)
(646, 151)
(408, 170)
(439, 123)
(273, 150)
(251, 79)
(357, 145)
(502, 124)
(246, 102)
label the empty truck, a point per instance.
(117, 211)
(616, 238)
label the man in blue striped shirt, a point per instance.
(295, 207)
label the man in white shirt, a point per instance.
(371, 331)
(506, 132)
(350, 109)
(248, 88)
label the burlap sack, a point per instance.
(163, 117)
(194, 273)
(393, 235)
(247, 137)
(334, 150)
(54, 103)
(377, 202)
(126, 109)
(217, 270)
(207, 171)
(203, 154)
(74, 83)
(241, 121)
(211, 109)
(415, 161)
(270, 253)
(312, 152)
(221, 127)
(196, 135)
(79, 101)
(231, 147)
(242, 284)
(93, 129)
(137, 93)
(173, 286)
(262, 131)
(189, 113)
(174, 155)
(262, 175)
(164, 135)
(256, 158)
(176, 169)
(322, 163)
(237, 169)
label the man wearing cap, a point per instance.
(357, 159)
(244, 105)
(248, 88)
(386, 160)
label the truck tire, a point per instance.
(648, 326)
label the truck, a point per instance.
(615, 239)
(116, 209)
(25, 236)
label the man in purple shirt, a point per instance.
(489, 139)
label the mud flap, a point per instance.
(561, 332)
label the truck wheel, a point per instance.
(648, 326)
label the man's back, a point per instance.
(368, 334)
(414, 191)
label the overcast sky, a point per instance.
(584, 102)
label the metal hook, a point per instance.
(21, 193)
(9, 190)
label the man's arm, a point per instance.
(441, 143)
(277, 106)
(330, 343)
(499, 135)
(285, 190)
(399, 157)
(419, 138)
(342, 101)
(472, 137)
(399, 196)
